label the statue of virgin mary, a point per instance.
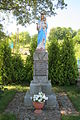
(42, 32)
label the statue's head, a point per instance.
(42, 16)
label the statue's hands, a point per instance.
(43, 40)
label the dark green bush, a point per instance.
(18, 71)
(53, 61)
(12, 67)
(69, 62)
(6, 65)
(1, 91)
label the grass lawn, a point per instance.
(7, 117)
(6, 97)
(70, 117)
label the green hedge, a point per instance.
(62, 62)
(53, 61)
(18, 70)
(12, 68)
(5, 65)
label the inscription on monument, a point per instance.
(41, 68)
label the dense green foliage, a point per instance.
(54, 57)
(29, 59)
(60, 33)
(5, 65)
(62, 62)
(2, 34)
(69, 63)
(21, 38)
(76, 40)
(11, 67)
(26, 11)
(18, 71)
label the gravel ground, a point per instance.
(16, 106)
(65, 105)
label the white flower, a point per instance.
(40, 97)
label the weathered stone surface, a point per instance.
(78, 81)
(38, 87)
(40, 55)
(51, 103)
(40, 81)
(40, 68)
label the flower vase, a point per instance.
(38, 106)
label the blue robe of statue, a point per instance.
(42, 32)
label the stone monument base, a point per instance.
(40, 82)
(51, 103)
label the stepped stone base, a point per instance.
(40, 81)
(38, 87)
(51, 103)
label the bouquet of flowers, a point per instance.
(40, 97)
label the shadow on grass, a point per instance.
(6, 97)
(7, 117)
(9, 94)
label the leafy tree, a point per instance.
(60, 33)
(22, 38)
(2, 34)
(27, 11)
